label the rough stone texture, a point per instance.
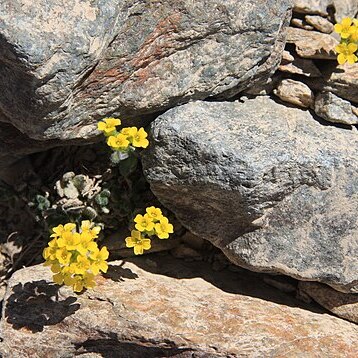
(312, 6)
(344, 305)
(301, 66)
(162, 307)
(342, 80)
(301, 24)
(320, 23)
(286, 57)
(128, 58)
(269, 185)
(342, 8)
(312, 44)
(295, 92)
(334, 109)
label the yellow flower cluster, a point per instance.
(150, 224)
(125, 139)
(348, 48)
(74, 257)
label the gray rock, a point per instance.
(301, 24)
(295, 92)
(342, 80)
(164, 307)
(344, 305)
(334, 109)
(301, 66)
(320, 23)
(312, 6)
(312, 44)
(270, 186)
(341, 8)
(65, 65)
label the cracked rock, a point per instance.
(267, 184)
(165, 308)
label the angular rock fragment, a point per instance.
(267, 184)
(342, 80)
(301, 66)
(339, 8)
(344, 305)
(301, 24)
(312, 44)
(320, 23)
(163, 307)
(334, 109)
(312, 6)
(295, 92)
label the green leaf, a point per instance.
(128, 166)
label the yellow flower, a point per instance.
(344, 28)
(60, 229)
(154, 213)
(69, 240)
(49, 253)
(99, 264)
(138, 242)
(163, 228)
(129, 132)
(79, 282)
(140, 139)
(144, 223)
(346, 53)
(118, 142)
(354, 32)
(81, 265)
(88, 227)
(108, 125)
(63, 256)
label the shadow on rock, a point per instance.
(243, 282)
(36, 304)
(111, 347)
(119, 273)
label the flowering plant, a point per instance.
(153, 223)
(348, 48)
(123, 142)
(74, 257)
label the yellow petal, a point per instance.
(341, 59)
(338, 28)
(138, 250)
(347, 21)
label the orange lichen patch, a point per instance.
(158, 44)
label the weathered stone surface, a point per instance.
(344, 305)
(286, 57)
(342, 80)
(295, 92)
(341, 8)
(162, 307)
(301, 24)
(312, 6)
(320, 23)
(128, 58)
(301, 66)
(334, 109)
(312, 44)
(269, 185)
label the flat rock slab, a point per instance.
(160, 307)
(128, 58)
(267, 184)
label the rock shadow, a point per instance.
(243, 282)
(119, 273)
(112, 347)
(36, 304)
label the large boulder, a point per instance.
(267, 184)
(66, 64)
(163, 307)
